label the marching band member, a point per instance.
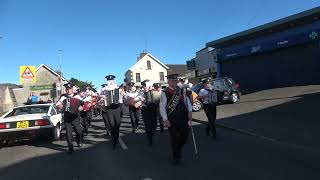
(176, 111)
(70, 107)
(208, 96)
(89, 93)
(112, 108)
(85, 114)
(157, 88)
(149, 111)
(101, 101)
(133, 98)
(122, 94)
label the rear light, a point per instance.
(3, 126)
(237, 85)
(41, 122)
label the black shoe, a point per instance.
(70, 150)
(176, 162)
(149, 141)
(208, 131)
(114, 144)
(79, 143)
(108, 133)
(214, 137)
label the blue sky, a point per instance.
(101, 37)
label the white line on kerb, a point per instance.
(122, 144)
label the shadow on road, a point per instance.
(295, 122)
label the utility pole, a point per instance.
(61, 75)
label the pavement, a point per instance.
(287, 115)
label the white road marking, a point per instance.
(122, 144)
(147, 178)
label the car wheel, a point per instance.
(197, 106)
(234, 97)
(56, 132)
(4, 143)
(1, 143)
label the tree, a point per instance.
(80, 84)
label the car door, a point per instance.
(55, 117)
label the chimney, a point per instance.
(141, 55)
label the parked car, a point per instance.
(228, 91)
(30, 121)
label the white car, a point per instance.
(31, 121)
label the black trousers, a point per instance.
(160, 120)
(84, 120)
(121, 109)
(178, 137)
(149, 115)
(113, 113)
(134, 116)
(105, 120)
(211, 112)
(75, 123)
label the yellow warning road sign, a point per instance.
(28, 74)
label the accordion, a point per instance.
(87, 106)
(71, 105)
(112, 97)
(94, 100)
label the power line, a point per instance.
(255, 15)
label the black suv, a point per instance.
(228, 91)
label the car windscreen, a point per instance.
(29, 110)
(230, 81)
(197, 87)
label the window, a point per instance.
(161, 74)
(53, 111)
(29, 110)
(148, 64)
(218, 83)
(138, 78)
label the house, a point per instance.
(47, 87)
(180, 69)
(7, 101)
(147, 67)
(203, 66)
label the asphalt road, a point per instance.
(232, 156)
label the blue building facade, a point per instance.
(272, 58)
